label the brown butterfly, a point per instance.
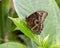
(35, 21)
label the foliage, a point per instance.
(12, 45)
(49, 37)
(58, 2)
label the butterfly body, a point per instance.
(35, 21)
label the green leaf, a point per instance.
(40, 47)
(25, 7)
(12, 45)
(6, 25)
(3, 16)
(58, 24)
(55, 46)
(58, 2)
(45, 42)
(22, 27)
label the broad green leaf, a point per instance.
(12, 45)
(58, 23)
(25, 7)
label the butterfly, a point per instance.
(35, 21)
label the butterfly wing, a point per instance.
(35, 21)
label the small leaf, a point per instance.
(45, 42)
(55, 46)
(23, 27)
